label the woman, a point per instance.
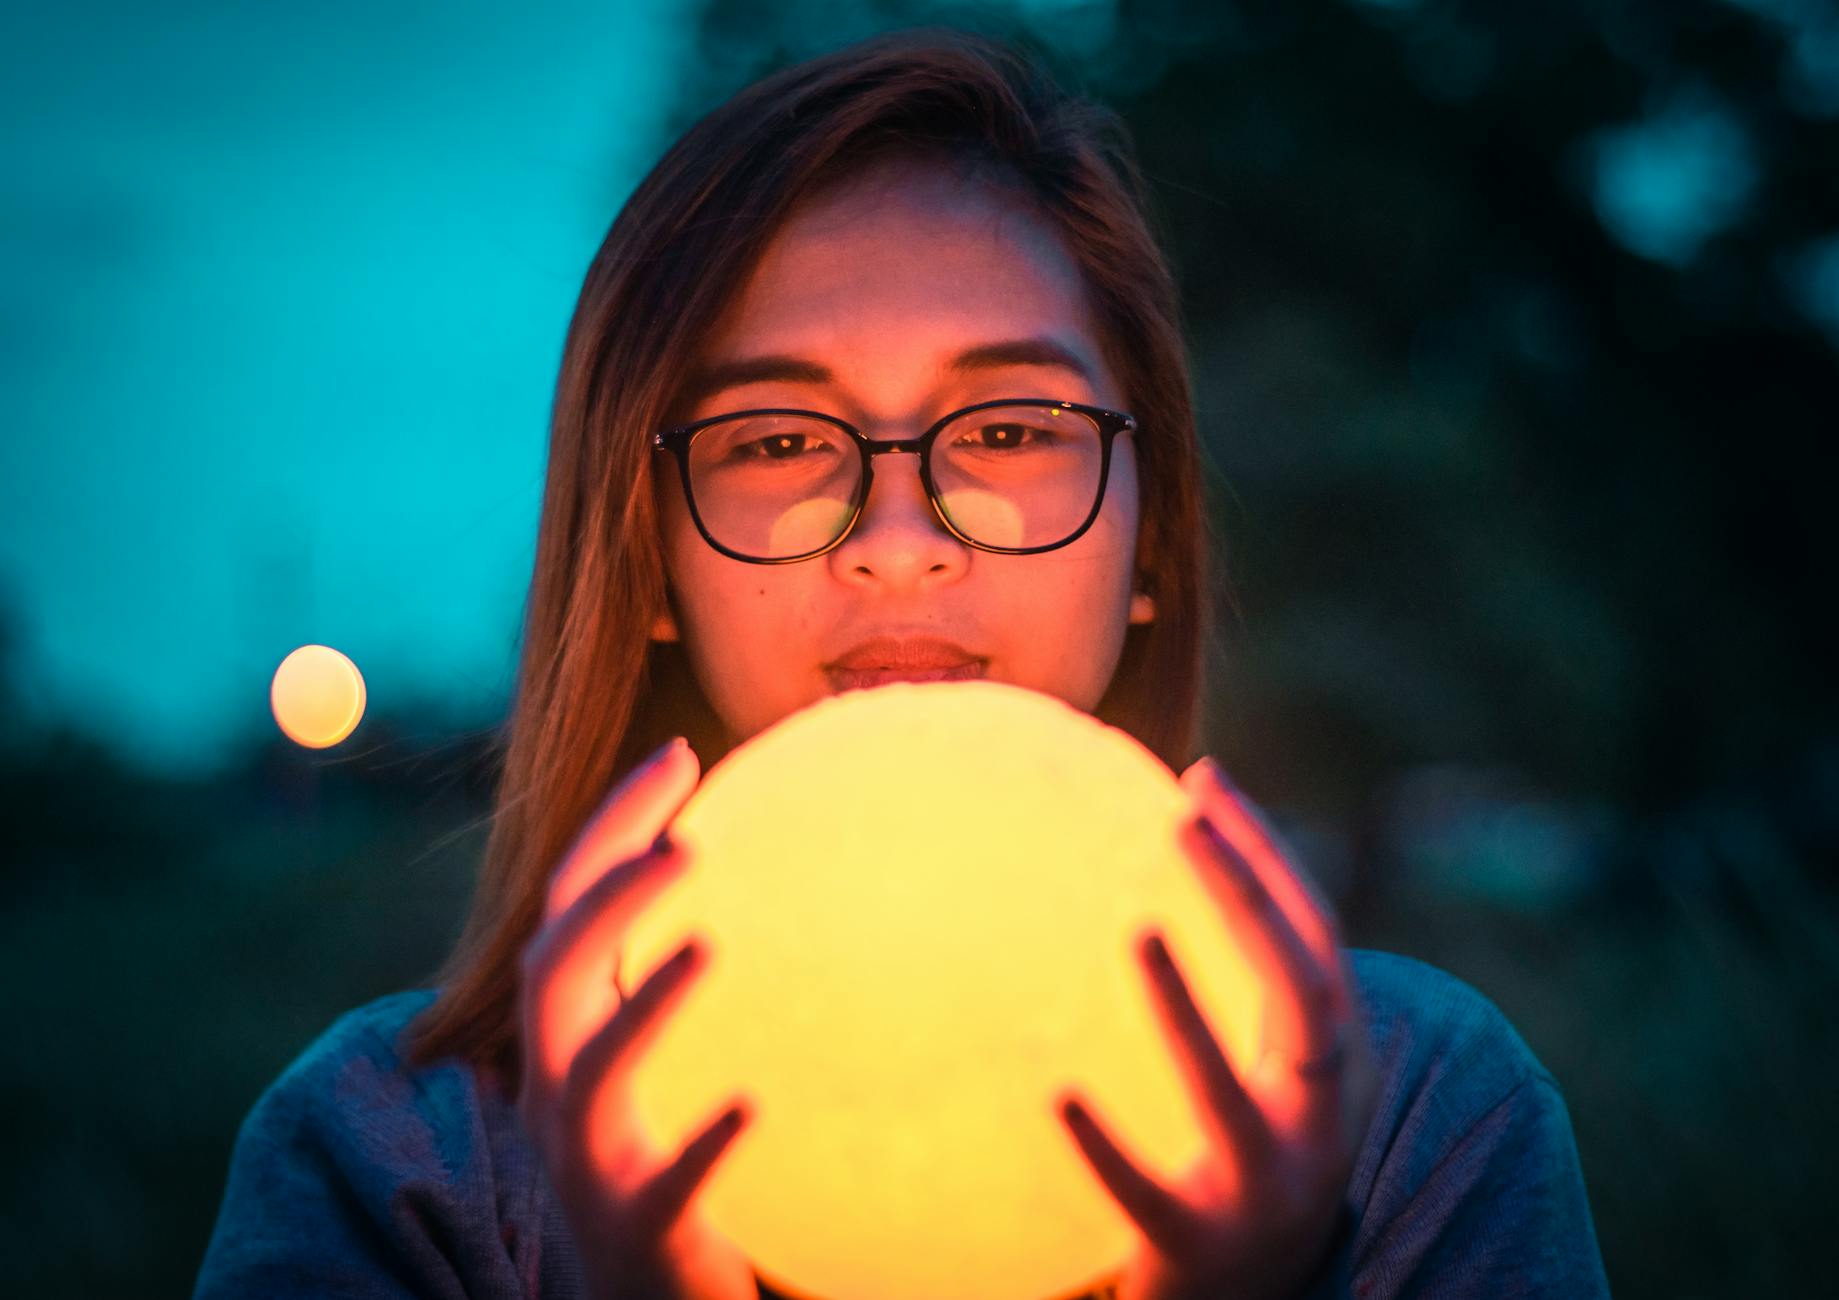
(909, 248)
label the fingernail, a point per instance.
(644, 766)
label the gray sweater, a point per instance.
(355, 1176)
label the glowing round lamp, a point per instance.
(317, 696)
(922, 904)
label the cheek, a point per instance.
(734, 614)
(1083, 591)
(1123, 493)
(704, 584)
(1114, 533)
(674, 525)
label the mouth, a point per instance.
(851, 679)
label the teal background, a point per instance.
(286, 290)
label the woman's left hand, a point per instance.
(1254, 1218)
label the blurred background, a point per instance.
(1514, 328)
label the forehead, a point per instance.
(908, 259)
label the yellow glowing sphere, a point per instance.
(921, 904)
(317, 696)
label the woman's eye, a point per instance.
(1006, 437)
(778, 446)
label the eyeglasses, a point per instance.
(1015, 476)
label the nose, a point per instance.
(898, 540)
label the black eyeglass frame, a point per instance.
(1110, 423)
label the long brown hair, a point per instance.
(594, 695)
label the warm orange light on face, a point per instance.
(921, 904)
(317, 696)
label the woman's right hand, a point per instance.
(581, 1039)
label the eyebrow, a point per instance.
(707, 382)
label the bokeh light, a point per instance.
(317, 696)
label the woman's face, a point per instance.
(875, 299)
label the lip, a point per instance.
(851, 679)
(884, 659)
(905, 652)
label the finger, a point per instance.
(660, 1203)
(1305, 998)
(1158, 1213)
(1229, 1111)
(598, 1070)
(626, 822)
(568, 967)
(1206, 781)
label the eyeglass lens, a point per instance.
(776, 486)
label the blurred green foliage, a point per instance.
(171, 946)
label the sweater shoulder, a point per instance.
(357, 1174)
(1449, 1063)
(1425, 1021)
(352, 1087)
(373, 1029)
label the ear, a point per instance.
(1142, 604)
